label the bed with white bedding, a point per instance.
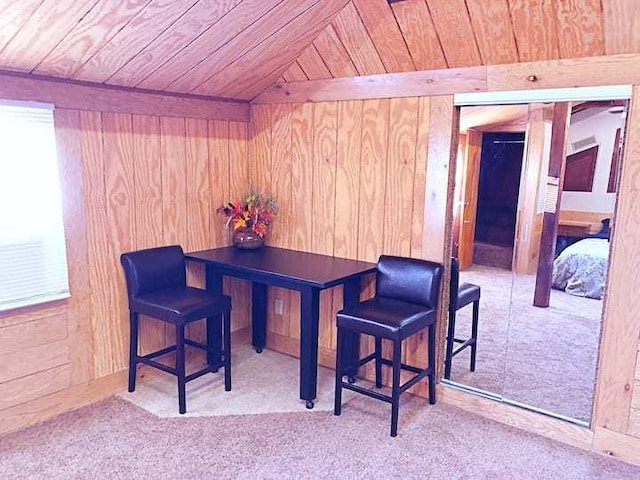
(581, 268)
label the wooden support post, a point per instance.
(553, 194)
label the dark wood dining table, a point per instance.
(308, 273)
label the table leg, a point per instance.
(259, 315)
(351, 340)
(214, 324)
(309, 321)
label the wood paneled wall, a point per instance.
(150, 181)
(335, 194)
(129, 182)
(350, 178)
(617, 406)
(339, 170)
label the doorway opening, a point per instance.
(498, 192)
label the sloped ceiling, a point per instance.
(237, 48)
(217, 48)
(374, 36)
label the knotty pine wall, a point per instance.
(351, 180)
(129, 182)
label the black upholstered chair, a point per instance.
(461, 296)
(157, 287)
(405, 302)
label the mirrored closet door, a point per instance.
(534, 201)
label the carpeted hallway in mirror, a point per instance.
(261, 430)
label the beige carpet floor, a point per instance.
(262, 430)
(543, 357)
(115, 439)
(261, 383)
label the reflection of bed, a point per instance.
(581, 268)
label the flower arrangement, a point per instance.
(255, 211)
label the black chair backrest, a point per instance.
(454, 282)
(409, 280)
(154, 269)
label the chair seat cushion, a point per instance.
(180, 305)
(386, 317)
(467, 293)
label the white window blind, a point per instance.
(33, 257)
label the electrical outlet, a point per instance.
(278, 306)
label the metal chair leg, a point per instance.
(133, 349)
(395, 387)
(378, 362)
(448, 357)
(474, 333)
(214, 340)
(337, 408)
(227, 351)
(180, 369)
(431, 353)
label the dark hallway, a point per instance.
(499, 183)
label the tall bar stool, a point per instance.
(461, 296)
(405, 302)
(157, 287)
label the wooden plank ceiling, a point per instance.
(377, 36)
(237, 48)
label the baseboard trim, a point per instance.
(35, 411)
(43, 408)
(607, 442)
(291, 346)
(618, 445)
(518, 417)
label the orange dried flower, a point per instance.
(255, 211)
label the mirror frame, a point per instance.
(604, 92)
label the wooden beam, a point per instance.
(85, 96)
(577, 72)
(581, 72)
(528, 220)
(473, 153)
(441, 149)
(559, 129)
(392, 85)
